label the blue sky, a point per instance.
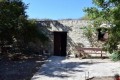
(57, 9)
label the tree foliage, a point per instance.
(89, 33)
(85, 17)
(15, 29)
(107, 11)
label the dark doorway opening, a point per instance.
(102, 34)
(60, 42)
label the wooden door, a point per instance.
(60, 42)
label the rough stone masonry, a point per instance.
(74, 29)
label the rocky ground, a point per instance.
(58, 68)
(61, 68)
(20, 69)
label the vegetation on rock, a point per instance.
(107, 12)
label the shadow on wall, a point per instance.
(72, 46)
(47, 26)
(60, 27)
(44, 26)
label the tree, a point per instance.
(107, 11)
(85, 17)
(11, 12)
(15, 29)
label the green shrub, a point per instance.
(115, 56)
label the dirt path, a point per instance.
(60, 68)
(21, 69)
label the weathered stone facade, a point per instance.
(74, 31)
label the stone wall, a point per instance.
(74, 29)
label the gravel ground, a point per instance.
(60, 68)
(21, 69)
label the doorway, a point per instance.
(60, 42)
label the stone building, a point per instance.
(64, 35)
